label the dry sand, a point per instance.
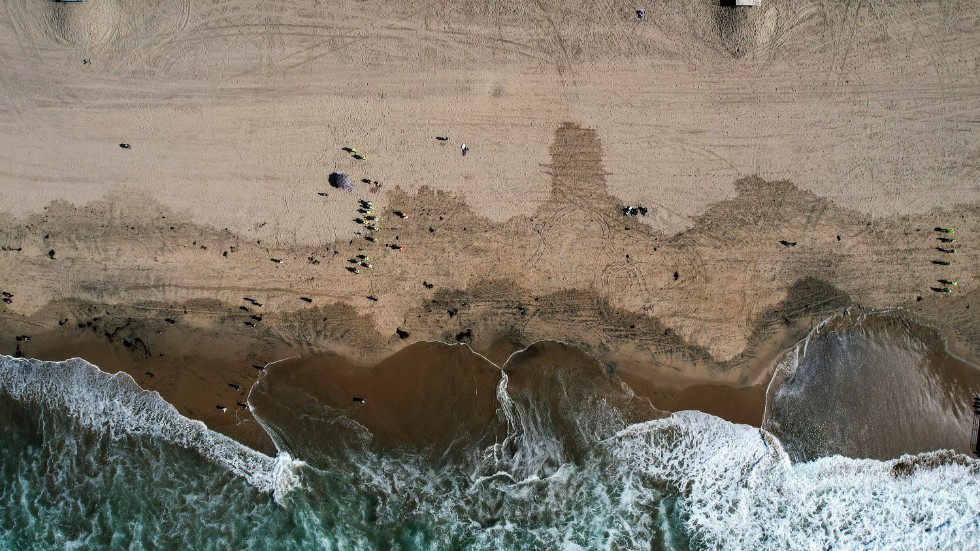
(850, 128)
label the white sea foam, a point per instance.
(116, 406)
(741, 491)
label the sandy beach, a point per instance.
(791, 160)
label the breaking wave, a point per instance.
(116, 406)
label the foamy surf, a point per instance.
(739, 490)
(116, 406)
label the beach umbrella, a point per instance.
(342, 181)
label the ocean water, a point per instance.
(91, 461)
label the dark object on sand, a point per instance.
(23, 338)
(249, 324)
(321, 193)
(941, 262)
(222, 408)
(245, 308)
(427, 285)
(306, 299)
(125, 146)
(51, 254)
(944, 250)
(150, 374)
(640, 12)
(256, 318)
(276, 260)
(946, 239)
(676, 275)
(259, 367)
(234, 386)
(172, 321)
(401, 334)
(341, 181)
(372, 298)
(241, 405)
(976, 425)
(400, 214)
(63, 321)
(943, 290)
(442, 138)
(944, 230)
(785, 243)
(634, 211)
(359, 400)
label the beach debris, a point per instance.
(306, 299)
(945, 230)
(125, 146)
(222, 408)
(242, 405)
(400, 214)
(401, 333)
(442, 138)
(785, 243)
(234, 386)
(372, 298)
(341, 181)
(277, 260)
(359, 400)
(464, 148)
(633, 212)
